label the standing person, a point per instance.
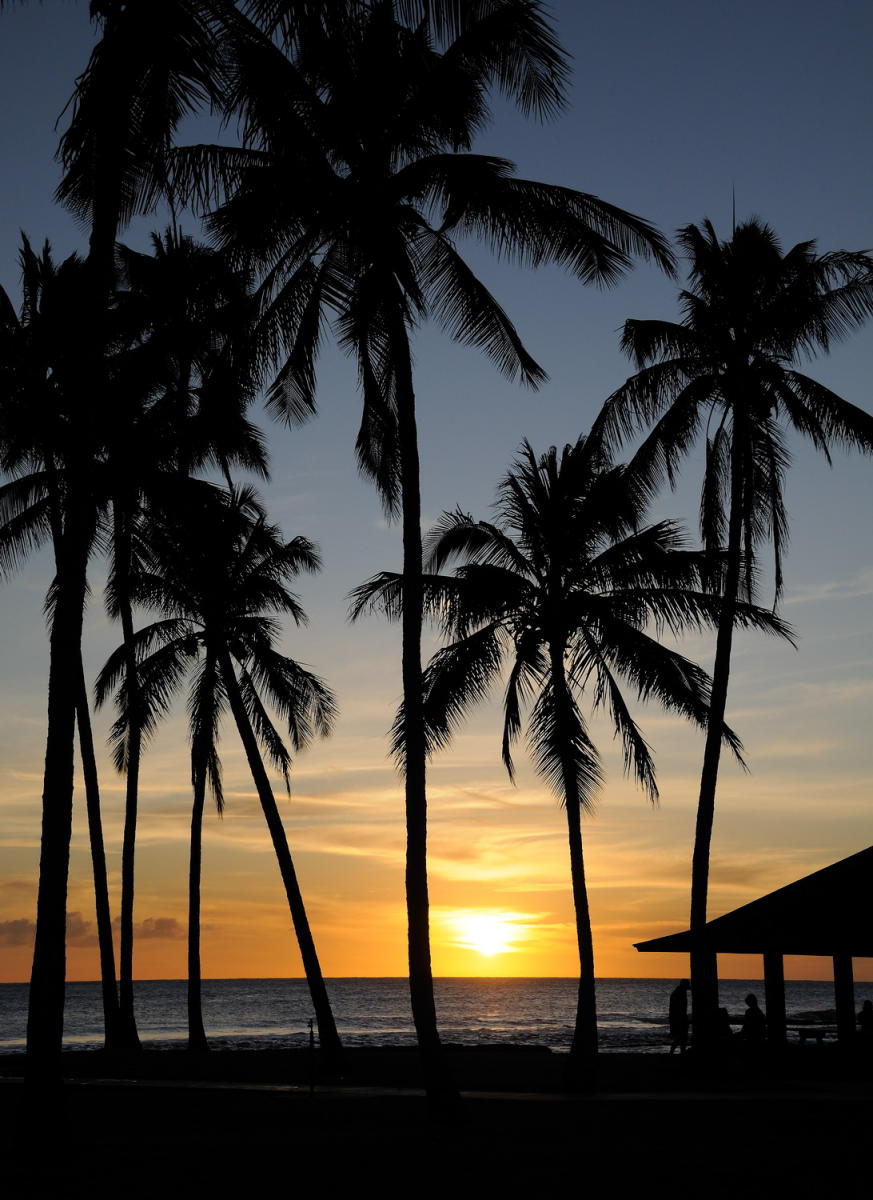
(679, 1016)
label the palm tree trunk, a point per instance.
(127, 1019)
(441, 1090)
(704, 970)
(328, 1037)
(583, 1048)
(45, 1018)
(98, 862)
(196, 1032)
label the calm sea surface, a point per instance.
(274, 1013)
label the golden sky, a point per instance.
(498, 855)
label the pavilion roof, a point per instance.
(828, 912)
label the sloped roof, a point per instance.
(828, 912)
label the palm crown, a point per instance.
(352, 183)
(222, 583)
(568, 576)
(749, 314)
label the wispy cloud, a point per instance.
(858, 584)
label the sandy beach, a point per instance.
(221, 1123)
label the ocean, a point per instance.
(265, 1014)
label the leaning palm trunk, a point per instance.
(704, 973)
(439, 1086)
(95, 822)
(98, 863)
(128, 1030)
(45, 1018)
(583, 1047)
(328, 1036)
(196, 1032)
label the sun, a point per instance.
(486, 933)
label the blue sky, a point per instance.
(673, 108)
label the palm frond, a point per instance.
(457, 677)
(562, 750)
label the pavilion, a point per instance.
(827, 913)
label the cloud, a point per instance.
(16, 933)
(859, 584)
(79, 931)
(20, 932)
(154, 928)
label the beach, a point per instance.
(226, 1122)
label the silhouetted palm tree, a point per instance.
(52, 446)
(564, 587)
(354, 181)
(219, 575)
(749, 315)
(174, 387)
(182, 389)
(37, 347)
(155, 61)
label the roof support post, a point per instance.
(774, 995)
(844, 997)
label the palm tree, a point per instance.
(750, 314)
(219, 577)
(184, 387)
(33, 416)
(156, 60)
(176, 387)
(352, 184)
(564, 587)
(49, 448)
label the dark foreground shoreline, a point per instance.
(167, 1123)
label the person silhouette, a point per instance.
(679, 1016)
(754, 1025)
(865, 1019)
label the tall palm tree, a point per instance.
(565, 587)
(156, 60)
(175, 387)
(220, 578)
(34, 414)
(49, 448)
(184, 386)
(750, 315)
(354, 180)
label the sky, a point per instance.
(673, 109)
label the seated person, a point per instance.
(754, 1027)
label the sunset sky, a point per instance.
(672, 106)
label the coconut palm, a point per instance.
(184, 385)
(49, 449)
(566, 588)
(34, 414)
(175, 387)
(352, 185)
(219, 576)
(750, 315)
(155, 61)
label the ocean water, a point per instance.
(257, 1014)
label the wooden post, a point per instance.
(774, 995)
(844, 997)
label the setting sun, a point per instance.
(487, 933)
